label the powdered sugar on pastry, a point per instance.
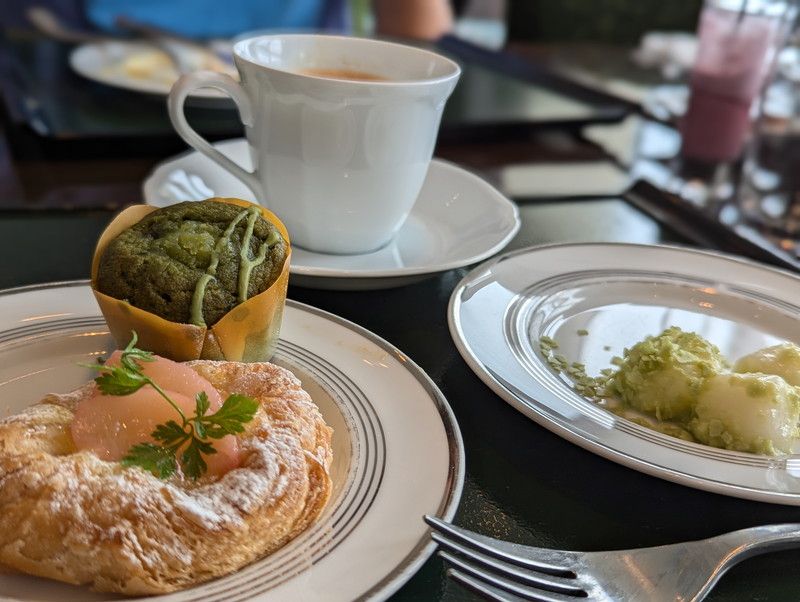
(71, 516)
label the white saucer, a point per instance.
(458, 220)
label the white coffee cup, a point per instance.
(340, 161)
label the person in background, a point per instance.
(422, 19)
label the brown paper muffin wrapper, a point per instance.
(247, 333)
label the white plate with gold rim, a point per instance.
(398, 453)
(458, 219)
(619, 294)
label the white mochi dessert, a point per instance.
(782, 360)
(755, 413)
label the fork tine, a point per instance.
(554, 562)
(497, 588)
(555, 584)
(481, 588)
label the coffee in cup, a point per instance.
(341, 131)
(350, 74)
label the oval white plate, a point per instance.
(398, 453)
(458, 219)
(620, 294)
(103, 62)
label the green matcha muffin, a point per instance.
(193, 262)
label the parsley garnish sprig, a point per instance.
(195, 432)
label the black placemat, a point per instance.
(41, 91)
(499, 95)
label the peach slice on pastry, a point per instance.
(110, 425)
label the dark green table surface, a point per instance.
(522, 482)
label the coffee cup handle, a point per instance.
(175, 104)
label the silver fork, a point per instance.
(687, 571)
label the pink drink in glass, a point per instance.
(735, 52)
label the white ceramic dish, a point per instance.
(620, 294)
(105, 62)
(458, 219)
(397, 450)
(340, 160)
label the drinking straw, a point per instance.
(740, 16)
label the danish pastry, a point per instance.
(72, 516)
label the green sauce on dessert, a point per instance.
(197, 300)
(246, 264)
